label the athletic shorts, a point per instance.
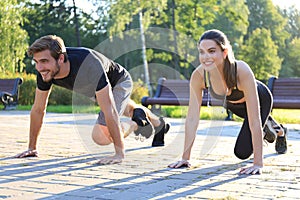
(121, 93)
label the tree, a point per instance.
(289, 63)
(293, 25)
(232, 19)
(122, 13)
(13, 39)
(189, 19)
(120, 17)
(183, 20)
(260, 52)
(56, 17)
(50, 17)
(263, 14)
(292, 60)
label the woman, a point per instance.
(234, 83)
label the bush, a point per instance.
(27, 89)
(139, 91)
(60, 96)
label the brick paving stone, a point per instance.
(67, 169)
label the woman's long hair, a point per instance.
(229, 64)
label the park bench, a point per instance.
(286, 92)
(9, 92)
(175, 92)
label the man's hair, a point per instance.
(49, 42)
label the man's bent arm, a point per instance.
(106, 102)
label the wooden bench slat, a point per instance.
(175, 92)
(285, 91)
(285, 94)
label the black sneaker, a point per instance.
(281, 145)
(270, 132)
(145, 128)
(160, 132)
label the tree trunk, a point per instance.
(76, 25)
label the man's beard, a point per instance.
(53, 74)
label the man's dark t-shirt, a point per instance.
(90, 71)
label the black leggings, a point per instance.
(243, 147)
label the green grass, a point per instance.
(288, 116)
(285, 116)
(65, 108)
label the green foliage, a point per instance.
(174, 111)
(263, 14)
(184, 20)
(290, 116)
(233, 24)
(139, 91)
(56, 17)
(206, 113)
(122, 12)
(188, 19)
(291, 67)
(284, 116)
(260, 52)
(60, 96)
(13, 39)
(27, 89)
(191, 16)
(49, 17)
(293, 25)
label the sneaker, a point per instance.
(270, 132)
(145, 128)
(281, 145)
(160, 132)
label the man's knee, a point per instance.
(100, 135)
(131, 105)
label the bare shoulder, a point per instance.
(243, 69)
(245, 75)
(242, 66)
(197, 78)
(198, 73)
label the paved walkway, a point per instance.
(67, 169)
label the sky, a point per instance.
(287, 3)
(87, 5)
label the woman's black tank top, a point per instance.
(235, 95)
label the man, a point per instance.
(90, 73)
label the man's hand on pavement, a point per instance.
(28, 153)
(111, 160)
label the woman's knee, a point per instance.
(100, 135)
(241, 154)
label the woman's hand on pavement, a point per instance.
(254, 169)
(179, 164)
